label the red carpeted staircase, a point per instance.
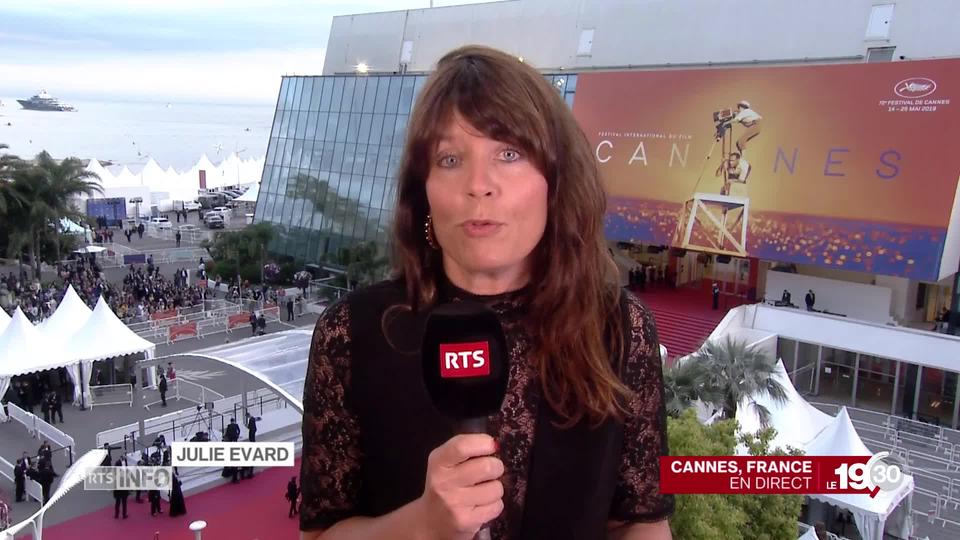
(681, 333)
(684, 316)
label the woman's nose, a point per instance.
(480, 182)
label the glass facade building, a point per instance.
(329, 179)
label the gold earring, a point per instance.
(428, 232)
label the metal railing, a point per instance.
(42, 430)
(33, 488)
(187, 236)
(185, 390)
(259, 401)
(111, 394)
(209, 321)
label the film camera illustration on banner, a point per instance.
(718, 222)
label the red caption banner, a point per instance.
(778, 475)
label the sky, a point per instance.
(220, 51)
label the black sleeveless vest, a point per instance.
(573, 472)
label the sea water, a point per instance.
(128, 133)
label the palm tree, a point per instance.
(733, 373)
(66, 180)
(364, 264)
(8, 164)
(45, 190)
(684, 383)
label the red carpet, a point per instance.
(684, 316)
(251, 510)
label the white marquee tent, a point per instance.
(103, 336)
(840, 438)
(796, 421)
(803, 426)
(24, 350)
(74, 337)
(4, 321)
(70, 316)
(161, 187)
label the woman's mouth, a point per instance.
(481, 228)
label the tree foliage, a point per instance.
(242, 251)
(363, 263)
(728, 517)
(723, 374)
(35, 196)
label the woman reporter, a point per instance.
(499, 201)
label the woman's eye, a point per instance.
(510, 155)
(448, 161)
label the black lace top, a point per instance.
(368, 425)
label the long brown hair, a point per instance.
(574, 314)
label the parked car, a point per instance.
(235, 192)
(214, 220)
(188, 228)
(190, 206)
(224, 211)
(160, 222)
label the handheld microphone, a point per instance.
(465, 366)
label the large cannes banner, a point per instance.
(851, 166)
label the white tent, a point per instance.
(70, 227)
(840, 438)
(795, 420)
(24, 350)
(4, 321)
(125, 178)
(249, 196)
(70, 316)
(102, 336)
(94, 166)
(152, 174)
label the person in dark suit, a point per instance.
(45, 451)
(154, 496)
(785, 298)
(20, 476)
(810, 299)
(45, 476)
(716, 295)
(251, 428)
(45, 407)
(162, 387)
(290, 308)
(120, 497)
(57, 407)
(143, 462)
(293, 491)
(232, 434)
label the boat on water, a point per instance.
(44, 102)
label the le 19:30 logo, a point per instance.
(872, 477)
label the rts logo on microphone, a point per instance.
(464, 360)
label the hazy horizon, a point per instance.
(177, 51)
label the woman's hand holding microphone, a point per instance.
(463, 490)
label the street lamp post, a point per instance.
(137, 201)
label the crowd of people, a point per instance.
(143, 291)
